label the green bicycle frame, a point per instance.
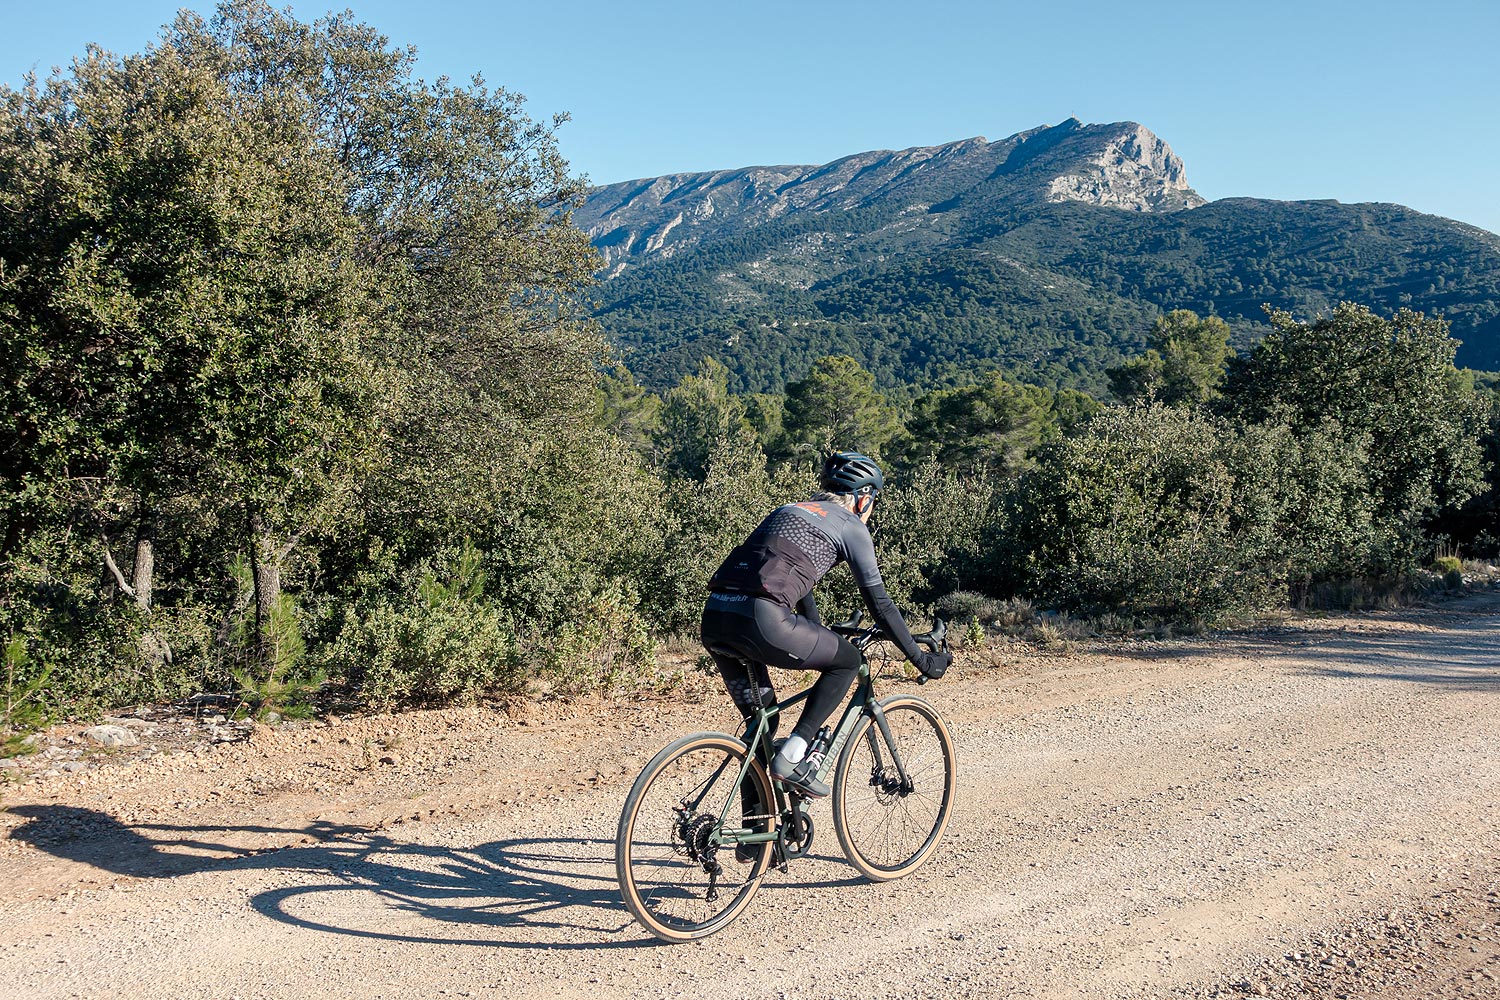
(863, 703)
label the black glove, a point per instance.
(934, 665)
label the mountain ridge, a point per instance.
(1123, 165)
(1046, 254)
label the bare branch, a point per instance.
(109, 561)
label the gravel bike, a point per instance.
(704, 821)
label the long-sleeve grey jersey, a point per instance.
(794, 547)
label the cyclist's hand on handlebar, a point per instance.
(934, 665)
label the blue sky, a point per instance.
(1372, 101)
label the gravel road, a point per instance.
(1309, 810)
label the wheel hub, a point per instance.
(888, 785)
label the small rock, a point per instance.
(111, 736)
(8, 762)
(272, 718)
(73, 766)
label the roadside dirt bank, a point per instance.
(1245, 815)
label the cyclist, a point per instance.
(760, 608)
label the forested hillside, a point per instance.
(307, 406)
(997, 276)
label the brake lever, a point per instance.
(938, 636)
(859, 616)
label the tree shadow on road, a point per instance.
(1456, 660)
(552, 892)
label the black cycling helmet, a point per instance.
(851, 472)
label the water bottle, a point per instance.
(819, 750)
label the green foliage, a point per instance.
(277, 680)
(698, 415)
(1183, 364)
(1390, 389)
(836, 408)
(21, 707)
(434, 641)
(1447, 564)
(994, 425)
(1149, 511)
(608, 645)
(973, 637)
(96, 651)
(263, 292)
(627, 410)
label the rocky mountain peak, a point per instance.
(1124, 165)
(1120, 166)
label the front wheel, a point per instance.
(888, 825)
(676, 875)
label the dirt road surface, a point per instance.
(1308, 810)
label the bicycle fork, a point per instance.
(902, 783)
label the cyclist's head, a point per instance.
(852, 474)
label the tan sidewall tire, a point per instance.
(628, 815)
(900, 702)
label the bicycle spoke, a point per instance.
(678, 881)
(888, 826)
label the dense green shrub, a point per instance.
(1447, 564)
(1385, 388)
(94, 651)
(1142, 512)
(607, 645)
(423, 655)
(435, 641)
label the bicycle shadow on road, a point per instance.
(552, 892)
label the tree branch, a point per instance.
(286, 549)
(109, 561)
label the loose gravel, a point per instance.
(1307, 810)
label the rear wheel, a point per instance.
(675, 876)
(888, 826)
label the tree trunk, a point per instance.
(266, 558)
(143, 570)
